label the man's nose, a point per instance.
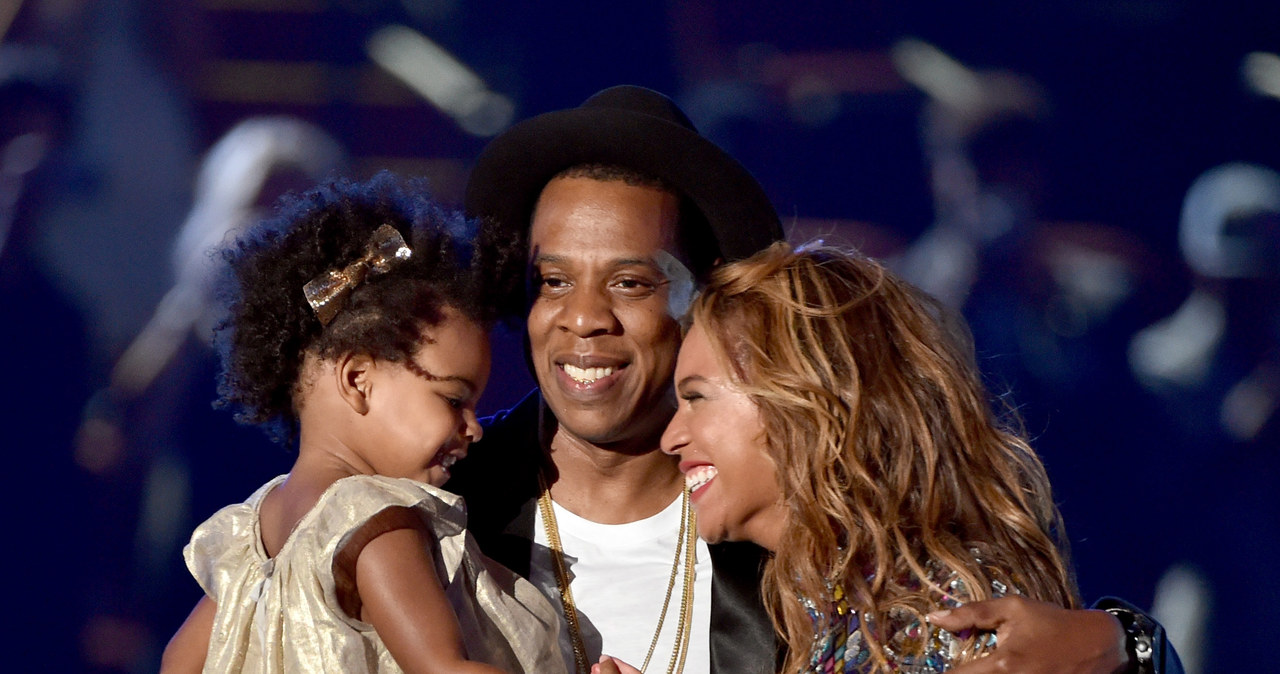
(589, 312)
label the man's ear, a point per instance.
(355, 381)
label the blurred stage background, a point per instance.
(1089, 181)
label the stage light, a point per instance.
(441, 79)
(1261, 73)
(932, 70)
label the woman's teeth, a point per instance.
(586, 375)
(699, 476)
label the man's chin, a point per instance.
(619, 422)
(614, 434)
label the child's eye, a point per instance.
(456, 403)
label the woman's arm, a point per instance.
(1037, 637)
(402, 598)
(187, 649)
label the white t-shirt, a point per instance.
(619, 575)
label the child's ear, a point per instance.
(355, 381)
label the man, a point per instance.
(623, 206)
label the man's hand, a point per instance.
(1034, 637)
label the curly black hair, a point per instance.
(270, 327)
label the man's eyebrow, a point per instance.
(627, 261)
(619, 262)
(543, 257)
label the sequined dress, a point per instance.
(912, 648)
(282, 614)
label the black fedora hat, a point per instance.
(635, 128)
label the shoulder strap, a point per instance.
(742, 637)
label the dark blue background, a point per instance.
(1145, 97)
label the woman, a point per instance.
(828, 413)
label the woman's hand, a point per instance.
(1037, 638)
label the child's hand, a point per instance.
(608, 665)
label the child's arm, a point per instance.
(402, 598)
(187, 649)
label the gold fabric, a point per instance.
(281, 614)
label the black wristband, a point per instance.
(1138, 631)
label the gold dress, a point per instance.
(282, 614)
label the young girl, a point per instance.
(358, 330)
(827, 414)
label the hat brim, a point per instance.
(512, 170)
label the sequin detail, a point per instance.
(912, 648)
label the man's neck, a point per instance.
(609, 486)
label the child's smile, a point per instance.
(424, 411)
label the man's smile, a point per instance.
(586, 375)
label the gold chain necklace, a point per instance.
(685, 541)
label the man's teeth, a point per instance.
(699, 476)
(448, 461)
(586, 375)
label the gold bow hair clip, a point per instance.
(328, 292)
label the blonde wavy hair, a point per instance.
(891, 460)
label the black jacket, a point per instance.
(499, 480)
